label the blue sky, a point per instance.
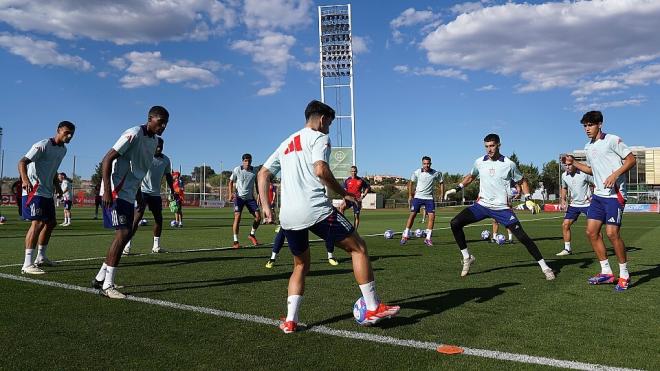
(431, 77)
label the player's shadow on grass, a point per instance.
(553, 238)
(556, 265)
(647, 275)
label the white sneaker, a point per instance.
(112, 293)
(32, 269)
(45, 262)
(549, 274)
(126, 251)
(158, 250)
(564, 252)
(466, 265)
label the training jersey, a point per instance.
(355, 186)
(425, 182)
(605, 156)
(304, 202)
(67, 192)
(495, 181)
(151, 182)
(45, 157)
(578, 185)
(136, 148)
(244, 181)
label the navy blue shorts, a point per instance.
(332, 229)
(606, 210)
(573, 212)
(505, 217)
(120, 215)
(357, 206)
(155, 203)
(417, 203)
(39, 208)
(252, 206)
(67, 204)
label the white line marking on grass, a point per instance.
(484, 353)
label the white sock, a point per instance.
(235, 238)
(28, 258)
(101, 275)
(510, 236)
(273, 256)
(156, 242)
(369, 295)
(330, 255)
(109, 277)
(543, 265)
(253, 231)
(466, 253)
(605, 267)
(41, 254)
(567, 246)
(623, 270)
(293, 306)
(128, 245)
(428, 233)
(406, 232)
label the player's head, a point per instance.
(247, 160)
(61, 176)
(65, 131)
(426, 163)
(159, 146)
(592, 122)
(319, 115)
(568, 161)
(492, 145)
(353, 170)
(157, 120)
(176, 174)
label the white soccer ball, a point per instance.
(389, 234)
(173, 223)
(485, 235)
(3, 219)
(500, 239)
(360, 310)
(144, 222)
(419, 233)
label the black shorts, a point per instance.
(331, 229)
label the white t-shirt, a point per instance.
(244, 182)
(304, 202)
(136, 149)
(151, 181)
(67, 192)
(605, 156)
(495, 181)
(45, 157)
(578, 186)
(426, 181)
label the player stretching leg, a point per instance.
(608, 160)
(302, 160)
(495, 173)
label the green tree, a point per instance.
(198, 172)
(531, 173)
(550, 177)
(97, 176)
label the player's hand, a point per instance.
(232, 197)
(610, 181)
(107, 200)
(268, 215)
(449, 192)
(27, 186)
(563, 206)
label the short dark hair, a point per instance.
(492, 138)
(246, 156)
(63, 174)
(594, 117)
(159, 111)
(319, 108)
(426, 158)
(67, 124)
(354, 167)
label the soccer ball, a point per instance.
(485, 235)
(144, 222)
(418, 233)
(173, 223)
(360, 310)
(2, 219)
(388, 234)
(500, 239)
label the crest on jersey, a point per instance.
(491, 171)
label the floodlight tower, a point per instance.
(336, 70)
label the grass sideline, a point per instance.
(505, 305)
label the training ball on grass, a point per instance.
(360, 310)
(3, 220)
(500, 239)
(144, 222)
(485, 235)
(173, 223)
(388, 234)
(418, 233)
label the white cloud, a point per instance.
(556, 44)
(41, 52)
(271, 54)
(121, 22)
(490, 87)
(412, 17)
(308, 66)
(430, 71)
(360, 44)
(600, 105)
(149, 69)
(469, 6)
(277, 14)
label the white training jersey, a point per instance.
(495, 181)
(160, 165)
(605, 156)
(67, 191)
(304, 202)
(244, 181)
(136, 148)
(45, 157)
(426, 181)
(578, 186)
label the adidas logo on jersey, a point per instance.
(611, 220)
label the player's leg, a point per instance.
(343, 206)
(299, 246)
(97, 203)
(238, 210)
(120, 217)
(468, 216)
(496, 228)
(414, 210)
(566, 233)
(42, 243)
(156, 207)
(139, 213)
(357, 209)
(36, 226)
(612, 229)
(596, 217)
(278, 242)
(518, 231)
(330, 249)
(253, 208)
(429, 209)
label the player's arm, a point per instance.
(367, 188)
(562, 197)
(230, 188)
(22, 171)
(411, 193)
(60, 188)
(170, 183)
(263, 183)
(323, 172)
(524, 185)
(628, 163)
(106, 171)
(441, 189)
(464, 183)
